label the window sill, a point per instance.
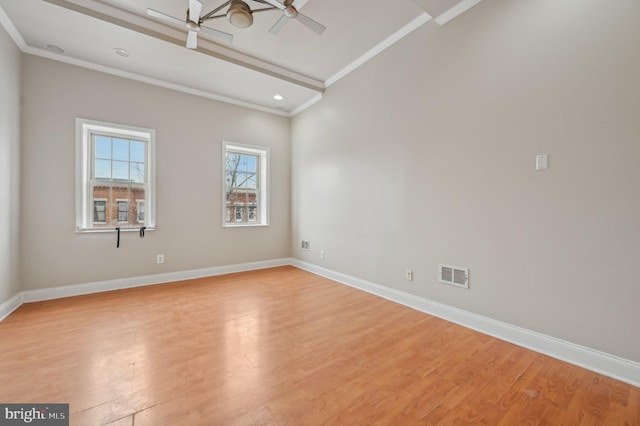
(105, 230)
(246, 225)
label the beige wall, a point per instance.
(426, 155)
(9, 167)
(189, 131)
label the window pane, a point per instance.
(137, 151)
(240, 170)
(103, 147)
(252, 182)
(241, 179)
(103, 169)
(121, 170)
(137, 172)
(251, 162)
(123, 196)
(233, 160)
(121, 149)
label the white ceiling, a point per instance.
(296, 63)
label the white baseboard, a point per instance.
(118, 284)
(603, 363)
(10, 305)
(600, 362)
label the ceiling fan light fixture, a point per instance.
(291, 12)
(239, 14)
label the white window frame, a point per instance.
(263, 182)
(85, 128)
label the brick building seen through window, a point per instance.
(242, 206)
(117, 204)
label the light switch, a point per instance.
(542, 162)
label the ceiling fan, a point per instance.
(290, 12)
(239, 15)
(193, 21)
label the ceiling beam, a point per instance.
(152, 28)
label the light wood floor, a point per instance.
(282, 346)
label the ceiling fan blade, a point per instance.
(279, 24)
(192, 40)
(310, 23)
(160, 15)
(220, 35)
(195, 7)
(276, 4)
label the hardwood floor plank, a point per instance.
(284, 347)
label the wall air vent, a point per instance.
(454, 275)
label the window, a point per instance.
(115, 176)
(245, 185)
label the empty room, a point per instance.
(226, 212)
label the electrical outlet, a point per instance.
(305, 244)
(408, 274)
(160, 258)
(321, 254)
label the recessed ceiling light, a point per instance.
(278, 97)
(122, 52)
(55, 49)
